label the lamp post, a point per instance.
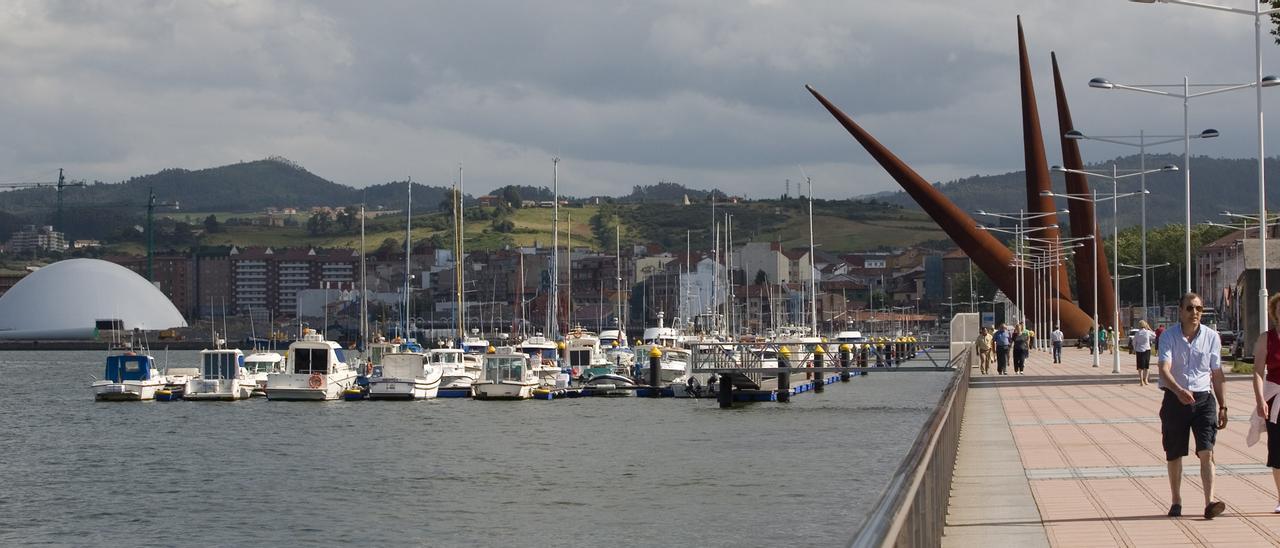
(1115, 241)
(1257, 13)
(1020, 217)
(1142, 145)
(1053, 253)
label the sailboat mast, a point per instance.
(813, 282)
(457, 264)
(462, 254)
(364, 305)
(408, 244)
(552, 316)
(568, 288)
(617, 253)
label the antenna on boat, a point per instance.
(408, 239)
(813, 283)
(552, 316)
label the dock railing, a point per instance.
(913, 509)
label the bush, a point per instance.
(1242, 367)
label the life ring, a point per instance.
(315, 380)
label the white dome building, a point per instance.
(69, 299)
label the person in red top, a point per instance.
(1266, 386)
(1159, 331)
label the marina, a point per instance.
(456, 462)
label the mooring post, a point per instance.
(784, 376)
(819, 379)
(655, 367)
(863, 350)
(844, 362)
(724, 391)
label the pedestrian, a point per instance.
(1140, 344)
(1190, 366)
(983, 344)
(1021, 347)
(1159, 332)
(1266, 386)
(1055, 337)
(1113, 344)
(1001, 339)
(1102, 340)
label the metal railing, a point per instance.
(913, 509)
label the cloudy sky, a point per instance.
(701, 92)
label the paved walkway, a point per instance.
(1069, 455)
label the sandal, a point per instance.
(1214, 509)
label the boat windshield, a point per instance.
(540, 353)
(446, 357)
(260, 366)
(220, 365)
(504, 368)
(310, 360)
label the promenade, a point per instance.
(1069, 455)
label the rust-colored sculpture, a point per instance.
(988, 253)
(1037, 166)
(1082, 214)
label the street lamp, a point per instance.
(1115, 242)
(1055, 252)
(1142, 145)
(1018, 233)
(1257, 12)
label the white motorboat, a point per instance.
(458, 370)
(673, 365)
(406, 376)
(585, 355)
(261, 364)
(129, 377)
(222, 376)
(544, 358)
(316, 369)
(507, 376)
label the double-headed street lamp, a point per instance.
(1186, 96)
(1115, 241)
(1257, 13)
(1054, 252)
(1021, 217)
(1142, 144)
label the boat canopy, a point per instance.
(311, 360)
(221, 364)
(128, 368)
(504, 368)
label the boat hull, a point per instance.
(610, 384)
(218, 389)
(502, 391)
(126, 391)
(402, 389)
(298, 387)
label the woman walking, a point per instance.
(1021, 347)
(1140, 343)
(1266, 386)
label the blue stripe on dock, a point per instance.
(454, 393)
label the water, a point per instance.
(579, 472)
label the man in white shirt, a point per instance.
(1190, 364)
(1056, 338)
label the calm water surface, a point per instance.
(579, 472)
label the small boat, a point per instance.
(673, 366)
(129, 377)
(222, 376)
(458, 371)
(316, 369)
(261, 364)
(406, 376)
(544, 359)
(506, 376)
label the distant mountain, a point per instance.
(1217, 185)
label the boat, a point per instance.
(406, 376)
(506, 376)
(261, 364)
(458, 371)
(222, 376)
(585, 357)
(129, 376)
(316, 369)
(544, 359)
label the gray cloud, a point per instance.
(703, 92)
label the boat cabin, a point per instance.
(505, 368)
(129, 367)
(220, 364)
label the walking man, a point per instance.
(1190, 365)
(1021, 347)
(1002, 350)
(983, 344)
(1056, 338)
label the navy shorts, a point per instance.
(1178, 422)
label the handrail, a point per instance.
(912, 510)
